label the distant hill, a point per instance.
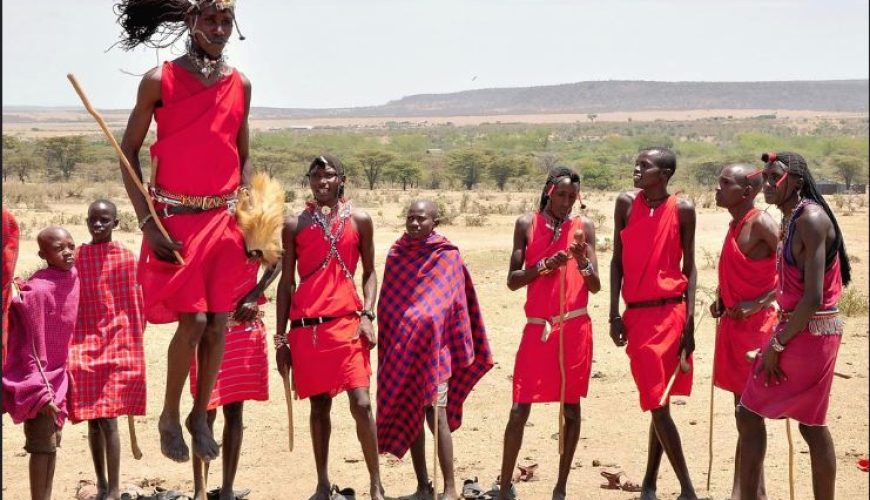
(612, 96)
(583, 97)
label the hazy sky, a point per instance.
(332, 53)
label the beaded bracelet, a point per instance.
(280, 340)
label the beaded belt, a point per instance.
(547, 322)
(202, 203)
(821, 323)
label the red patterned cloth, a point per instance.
(196, 153)
(741, 279)
(431, 331)
(42, 319)
(332, 357)
(244, 371)
(537, 378)
(652, 252)
(10, 256)
(106, 354)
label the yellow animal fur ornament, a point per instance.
(260, 215)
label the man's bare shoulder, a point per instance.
(245, 81)
(525, 220)
(813, 218)
(624, 200)
(291, 223)
(361, 216)
(764, 223)
(685, 205)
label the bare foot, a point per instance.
(424, 492)
(321, 493)
(172, 443)
(200, 495)
(559, 495)
(201, 439)
(449, 495)
(648, 495)
(377, 492)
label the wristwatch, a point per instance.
(588, 270)
(368, 314)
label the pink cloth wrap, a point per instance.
(41, 320)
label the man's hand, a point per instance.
(717, 308)
(556, 261)
(162, 247)
(618, 333)
(687, 341)
(283, 360)
(578, 251)
(769, 367)
(50, 409)
(246, 309)
(367, 331)
(743, 310)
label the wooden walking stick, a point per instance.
(683, 366)
(288, 397)
(790, 459)
(712, 397)
(123, 157)
(134, 443)
(435, 425)
(562, 360)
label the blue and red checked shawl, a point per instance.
(427, 305)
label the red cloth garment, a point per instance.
(431, 331)
(329, 358)
(196, 153)
(10, 257)
(741, 279)
(42, 319)
(652, 252)
(810, 356)
(106, 355)
(537, 378)
(244, 371)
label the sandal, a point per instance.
(617, 480)
(527, 472)
(342, 494)
(471, 489)
(237, 494)
(496, 489)
(87, 490)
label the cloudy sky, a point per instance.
(335, 53)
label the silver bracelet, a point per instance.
(775, 345)
(588, 270)
(145, 221)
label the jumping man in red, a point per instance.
(106, 357)
(747, 286)
(544, 249)
(331, 330)
(653, 232)
(793, 377)
(199, 161)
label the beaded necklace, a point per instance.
(324, 220)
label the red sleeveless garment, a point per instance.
(10, 256)
(652, 252)
(536, 370)
(329, 358)
(810, 356)
(741, 279)
(196, 153)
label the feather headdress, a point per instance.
(260, 214)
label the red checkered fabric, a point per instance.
(10, 256)
(431, 331)
(106, 357)
(244, 371)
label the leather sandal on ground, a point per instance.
(617, 480)
(237, 494)
(471, 488)
(342, 494)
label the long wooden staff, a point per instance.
(790, 459)
(435, 431)
(123, 157)
(562, 360)
(712, 397)
(288, 397)
(134, 443)
(683, 366)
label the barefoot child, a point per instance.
(42, 317)
(433, 346)
(106, 357)
(243, 376)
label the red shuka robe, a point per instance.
(10, 256)
(537, 378)
(810, 356)
(196, 153)
(652, 252)
(741, 279)
(106, 354)
(332, 357)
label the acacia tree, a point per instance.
(469, 165)
(850, 168)
(63, 153)
(503, 168)
(405, 171)
(373, 163)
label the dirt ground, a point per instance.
(614, 429)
